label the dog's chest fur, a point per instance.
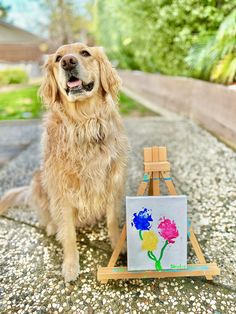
(79, 160)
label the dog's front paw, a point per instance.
(70, 270)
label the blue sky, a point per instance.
(26, 14)
(30, 14)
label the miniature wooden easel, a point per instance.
(156, 168)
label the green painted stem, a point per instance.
(158, 263)
(140, 234)
(151, 256)
(162, 250)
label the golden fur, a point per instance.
(84, 153)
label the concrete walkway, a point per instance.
(30, 262)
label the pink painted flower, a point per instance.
(168, 230)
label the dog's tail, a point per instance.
(13, 197)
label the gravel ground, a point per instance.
(30, 262)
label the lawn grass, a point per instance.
(20, 104)
(25, 104)
(130, 107)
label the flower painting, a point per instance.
(156, 232)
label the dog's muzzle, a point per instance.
(70, 64)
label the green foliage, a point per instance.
(13, 76)
(20, 104)
(156, 35)
(213, 57)
(3, 10)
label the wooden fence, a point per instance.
(211, 105)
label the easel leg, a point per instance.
(150, 188)
(197, 249)
(143, 184)
(169, 183)
(117, 250)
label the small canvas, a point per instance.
(156, 232)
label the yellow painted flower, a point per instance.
(150, 240)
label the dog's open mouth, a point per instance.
(75, 85)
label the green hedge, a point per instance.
(156, 35)
(13, 76)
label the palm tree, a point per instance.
(213, 57)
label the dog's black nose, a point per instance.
(69, 62)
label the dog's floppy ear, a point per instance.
(48, 89)
(110, 80)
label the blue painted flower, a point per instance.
(142, 220)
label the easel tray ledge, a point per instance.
(192, 270)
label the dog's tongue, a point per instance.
(74, 83)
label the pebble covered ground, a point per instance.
(30, 262)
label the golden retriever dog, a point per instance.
(84, 150)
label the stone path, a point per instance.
(30, 262)
(15, 136)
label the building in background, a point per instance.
(20, 48)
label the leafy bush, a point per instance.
(13, 76)
(156, 35)
(213, 57)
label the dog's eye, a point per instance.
(58, 58)
(85, 53)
